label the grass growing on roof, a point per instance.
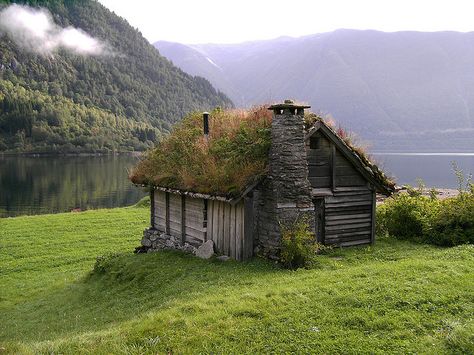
(394, 297)
(234, 156)
(235, 153)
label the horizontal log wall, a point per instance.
(346, 173)
(319, 161)
(349, 217)
(226, 227)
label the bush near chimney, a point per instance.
(298, 245)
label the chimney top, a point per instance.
(288, 106)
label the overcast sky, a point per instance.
(221, 21)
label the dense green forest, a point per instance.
(67, 102)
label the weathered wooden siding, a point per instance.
(349, 217)
(184, 217)
(346, 173)
(349, 210)
(328, 167)
(319, 161)
(226, 227)
(160, 210)
(195, 230)
(175, 216)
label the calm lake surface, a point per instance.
(37, 185)
(435, 169)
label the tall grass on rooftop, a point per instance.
(235, 153)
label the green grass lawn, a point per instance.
(396, 297)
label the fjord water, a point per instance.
(52, 184)
(435, 169)
(37, 185)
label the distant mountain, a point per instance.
(401, 91)
(85, 80)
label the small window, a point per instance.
(314, 143)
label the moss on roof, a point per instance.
(234, 156)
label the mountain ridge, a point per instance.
(402, 90)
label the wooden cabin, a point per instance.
(311, 172)
(196, 218)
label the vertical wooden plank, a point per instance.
(333, 166)
(210, 220)
(227, 229)
(183, 219)
(232, 233)
(167, 214)
(238, 234)
(248, 228)
(205, 218)
(221, 226)
(152, 207)
(372, 232)
(242, 230)
(215, 222)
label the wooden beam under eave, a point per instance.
(374, 206)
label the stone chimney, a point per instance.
(287, 191)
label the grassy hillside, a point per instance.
(396, 297)
(129, 81)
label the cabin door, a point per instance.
(319, 219)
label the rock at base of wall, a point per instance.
(223, 258)
(155, 240)
(206, 250)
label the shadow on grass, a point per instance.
(123, 287)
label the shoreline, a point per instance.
(52, 154)
(442, 193)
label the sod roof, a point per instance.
(232, 158)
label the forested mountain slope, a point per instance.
(402, 91)
(120, 99)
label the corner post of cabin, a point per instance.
(152, 207)
(374, 206)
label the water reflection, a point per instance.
(35, 185)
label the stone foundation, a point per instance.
(155, 240)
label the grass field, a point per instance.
(395, 297)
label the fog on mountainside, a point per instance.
(75, 77)
(401, 91)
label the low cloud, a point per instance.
(35, 30)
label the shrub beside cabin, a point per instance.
(310, 172)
